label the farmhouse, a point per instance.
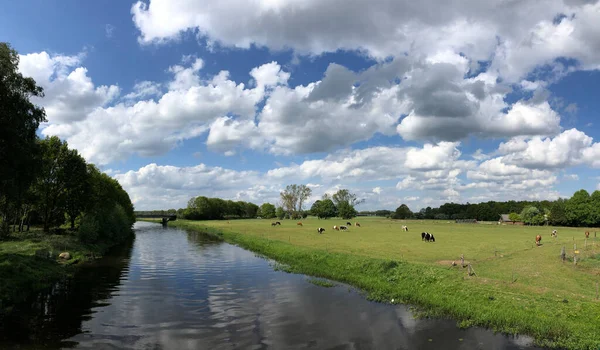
(504, 220)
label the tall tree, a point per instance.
(51, 185)
(579, 209)
(345, 203)
(402, 212)
(294, 196)
(267, 210)
(78, 186)
(324, 209)
(19, 120)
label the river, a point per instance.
(172, 289)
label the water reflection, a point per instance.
(180, 290)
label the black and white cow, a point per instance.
(349, 223)
(343, 228)
(320, 230)
(428, 237)
(277, 223)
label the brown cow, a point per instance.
(587, 234)
(356, 224)
(336, 228)
(538, 240)
(299, 224)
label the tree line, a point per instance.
(42, 181)
(582, 209)
(293, 197)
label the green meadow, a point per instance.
(517, 287)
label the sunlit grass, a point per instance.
(518, 287)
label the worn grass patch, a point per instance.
(518, 287)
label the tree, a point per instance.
(293, 197)
(77, 189)
(528, 215)
(402, 212)
(345, 210)
(19, 120)
(579, 209)
(267, 210)
(250, 210)
(323, 209)
(51, 185)
(514, 217)
(345, 203)
(280, 213)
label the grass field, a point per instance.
(518, 288)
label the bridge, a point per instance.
(163, 215)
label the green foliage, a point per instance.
(324, 209)
(19, 120)
(89, 229)
(346, 210)
(280, 213)
(267, 211)
(204, 208)
(293, 198)
(514, 217)
(530, 215)
(402, 212)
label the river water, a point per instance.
(172, 289)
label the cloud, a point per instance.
(515, 36)
(70, 94)
(570, 148)
(144, 89)
(109, 30)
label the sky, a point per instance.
(409, 102)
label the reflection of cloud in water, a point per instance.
(186, 293)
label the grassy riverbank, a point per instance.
(518, 287)
(29, 262)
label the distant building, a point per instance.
(505, 220)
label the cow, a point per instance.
(277, 223)
(349, 223)
(299, 223)
(428, 237)
(538, 240)
(404, 228)
(587, 234)
(320, 230)
(554, 233)
(356, 224)
(336, 228)
(273, 224)
(343, 228)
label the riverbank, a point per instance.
(29, 262)
(555, 316)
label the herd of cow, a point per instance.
(425, 236)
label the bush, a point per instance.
(89, 230)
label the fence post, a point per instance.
(462, 260)
(563, 254)
(597, 296)
(574, 254)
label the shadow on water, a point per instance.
(182, 290)
(57, 313)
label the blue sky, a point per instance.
(400, 104)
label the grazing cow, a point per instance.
(343, 228)
(273, 224)
(356, 224)
(428, 237)
(336, 228)
(299, 224)
(320, 230)
(404, 228)
(587, 234)
(349, 223)
(538, 240)
(554, 233)
(277, 223)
